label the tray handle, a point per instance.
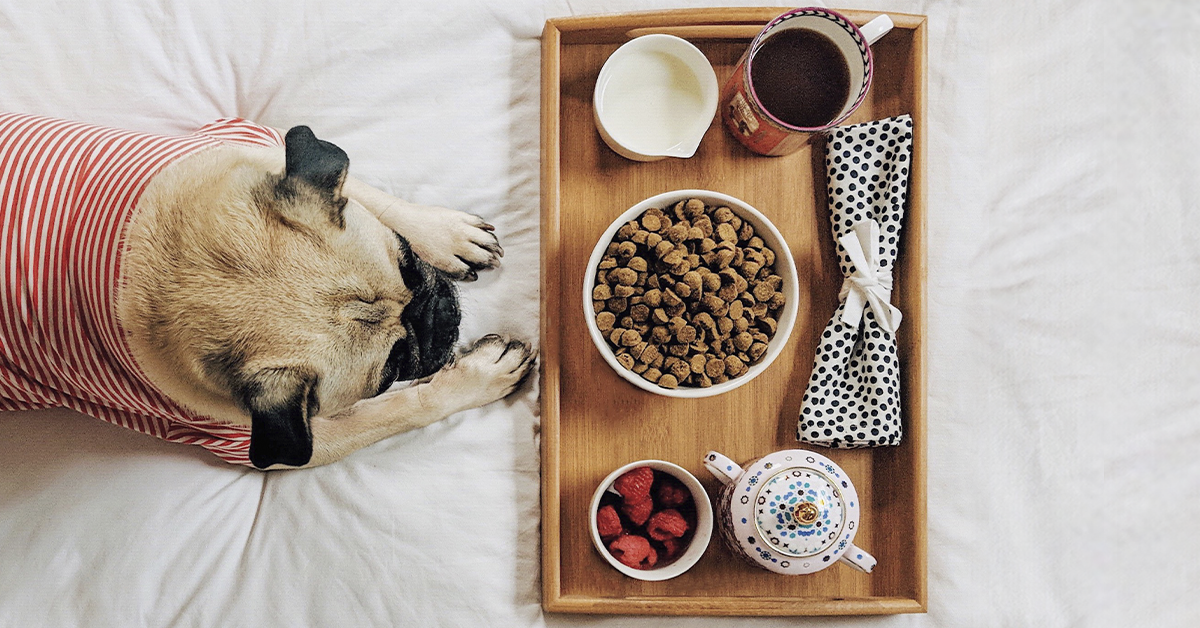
(706, 31)
(873, 30)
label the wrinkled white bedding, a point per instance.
(1064, 353)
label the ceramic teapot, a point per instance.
(791, 512)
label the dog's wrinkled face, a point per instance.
(312, 304)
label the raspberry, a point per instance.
(634, 485)
(608, 523)
(672, 493)
(672, 547)
(666, 524)
(638, 512)
(634, 551)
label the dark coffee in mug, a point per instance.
(800, 77)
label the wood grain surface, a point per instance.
(594, 422)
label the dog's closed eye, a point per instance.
(373, 312)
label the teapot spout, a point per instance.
(859, 559)
(724, 469)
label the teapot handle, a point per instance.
(858, 558)
(725, 470)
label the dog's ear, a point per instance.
(318, 164)
(281, 402)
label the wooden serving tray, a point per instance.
(593, 421)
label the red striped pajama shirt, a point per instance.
(67, 196)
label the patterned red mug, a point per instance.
(794, 64)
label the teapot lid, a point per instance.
(800, 512)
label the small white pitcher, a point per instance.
(655, 97)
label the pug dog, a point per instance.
(256, 292)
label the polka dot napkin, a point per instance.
(853, 396)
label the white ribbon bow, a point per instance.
(868, 284)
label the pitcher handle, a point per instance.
(725, 470)
(858, 558)
(876, 28)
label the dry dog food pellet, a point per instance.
(687, 295)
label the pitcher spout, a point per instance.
(685, 149)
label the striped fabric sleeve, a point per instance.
(230, 443)
(68, 191)
(239, 131)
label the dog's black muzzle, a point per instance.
(431, 320)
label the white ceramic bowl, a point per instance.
(700, 536)
(785, 267)
(655, 97)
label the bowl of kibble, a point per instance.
(651, 520)
(690, 293)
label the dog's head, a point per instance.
(298, 301)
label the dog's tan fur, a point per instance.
(213, 261)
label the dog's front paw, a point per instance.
(491, 369)
(457, 243)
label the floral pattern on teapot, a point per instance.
(799, 512)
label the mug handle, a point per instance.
(876, 28)
(858, 558)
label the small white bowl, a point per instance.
(700, 536)
(785, 267)
(655, 97)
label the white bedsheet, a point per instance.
(1064, 352)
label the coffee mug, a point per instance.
(805, 72)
